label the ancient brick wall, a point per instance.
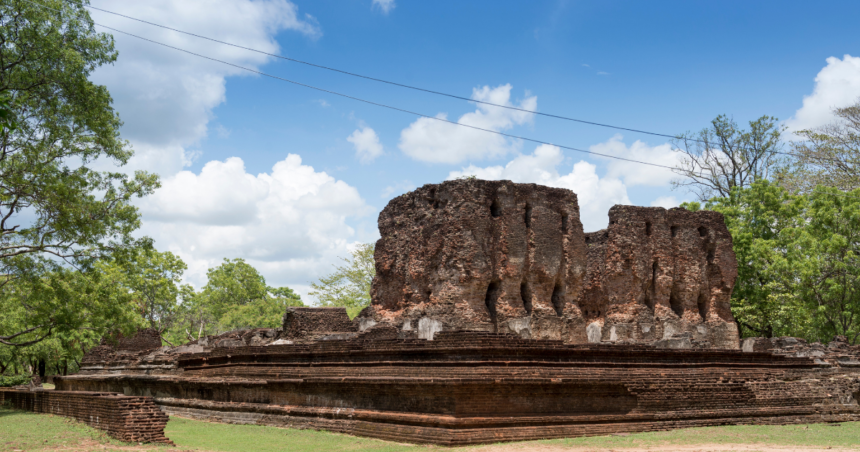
(655, 273)
(467, 387)
(307, 322)
(480, 255)
(131, 419)
(513, 258)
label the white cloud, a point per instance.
(666, 202)
(289, 223)
(385, 5)
(836, 85)
(434, 141)
(367, 145)
(636, 173)
(166, 97)
(596, 195)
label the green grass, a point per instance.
(28, 431)
(188, 433)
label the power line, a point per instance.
(417, 88)
(375, 79)
(347, 96)
(519, 137)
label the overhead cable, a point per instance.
(508, 135)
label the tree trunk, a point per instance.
(42, 366)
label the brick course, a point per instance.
(126, 418)
(470, 387)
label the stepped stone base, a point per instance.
(469, 388)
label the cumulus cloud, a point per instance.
(289, 223)
(366, 143)
(596, 195)
(836, 85)
(666, 202)
(384, 5)
(434, 141)
(636, 173)
(166, 97)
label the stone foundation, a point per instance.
(469, 388)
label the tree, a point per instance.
(822, 262)
(349, 285)
(235, 297)
(723, 157)
(829, 155)
(55, 207)
(798, 260)
(155, 278)
(94, 302)
(757, 218)
(232, 284)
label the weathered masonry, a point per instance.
(513, 258)
(126, 418)
(494, 317)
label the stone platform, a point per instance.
(469, 387)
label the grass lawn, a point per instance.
(26, 431)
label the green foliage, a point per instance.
(236, 296)
(8, 121)
(54, 207)
(798, 270)
(349, 285)
(13, 380)
(154, 278)
(757, 217)
(822, 262)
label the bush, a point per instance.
(13, 380)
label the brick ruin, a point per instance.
(496, 318)
(513, 258)
(126, 418)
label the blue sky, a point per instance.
(289, 178)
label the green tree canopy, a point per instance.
(349, 285)
(155, 280)
(798, 265)
(55, 208)
(236, 296)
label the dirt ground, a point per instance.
(665, 448)
(95, 446)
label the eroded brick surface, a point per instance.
(469, 387)
(131, 419)
(494, 317)
(504, 257)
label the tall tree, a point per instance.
(54, 206)
(236, 296)
(723, 157)
(349, 285)
(829, 155)
(155, 280)
(822, 262)
(757, 217)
